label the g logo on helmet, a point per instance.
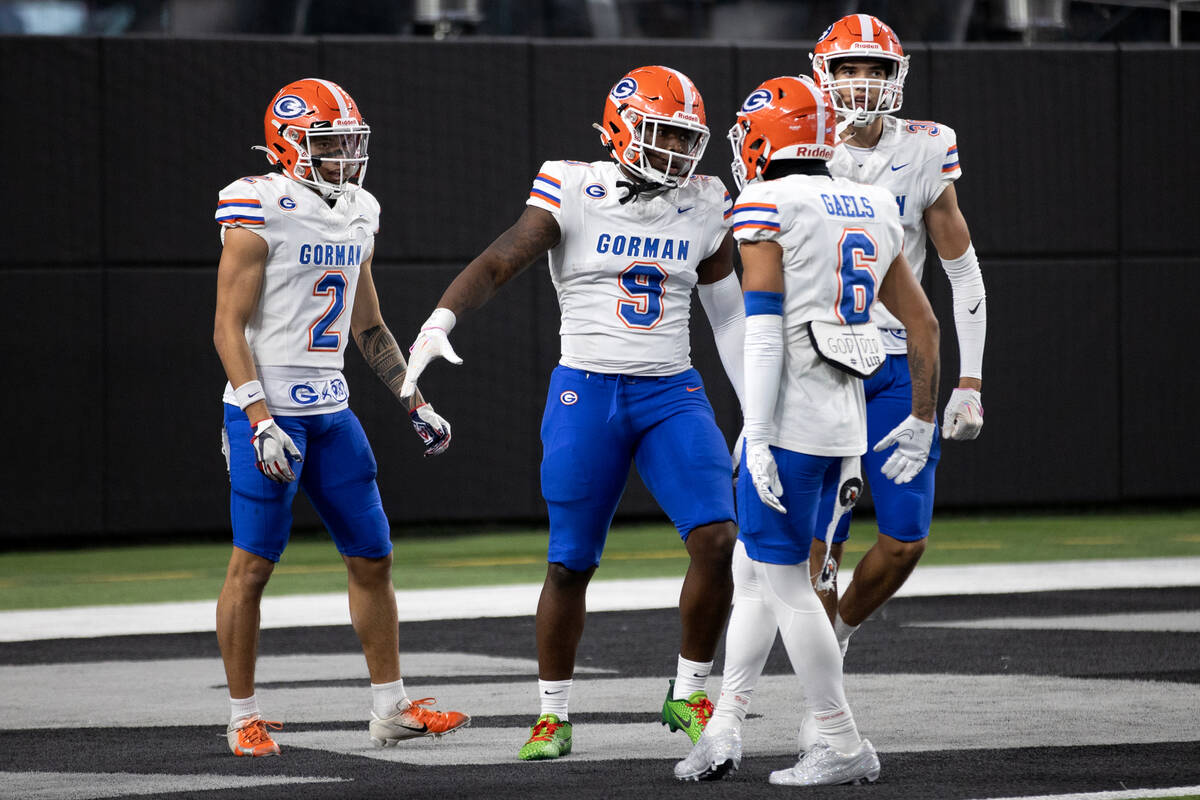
(289, 107)
(824, 35)
(624, 88)
(568, 398)
(759, 98)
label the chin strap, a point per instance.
(634, 189)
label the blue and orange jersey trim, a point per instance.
(756, 215)
(547, 188)
(728, 205)
(241, 211)
(951, 162)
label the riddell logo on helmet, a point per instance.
(344, 121)
(814, 151)
(866, 46)
(683, 117)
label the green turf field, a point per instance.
(465, 558)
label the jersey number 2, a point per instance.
(642, 283)
(856, 278)
(320, 337)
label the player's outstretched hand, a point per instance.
(272, 450)
(432, 428)
(963, 418)
(765, 475)
(432, 342)
(913, 437)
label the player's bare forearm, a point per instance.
(381, 352)
(924, 366)
(535, 232)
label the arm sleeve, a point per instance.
(970, 311)
(764, 363)
(722, 302)
(547, 189)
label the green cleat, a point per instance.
(690, 715)
(548, 738)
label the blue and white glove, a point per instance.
(273, 451)
(432, 342)
(963, 418)
(913, 437)
(433, 430)
(765, 475)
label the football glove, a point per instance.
(913, 437)
(433, 430)
(963, 418)
(273, 451)
(765, 475)
(432, 342)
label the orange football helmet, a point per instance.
(861, 36)
(783, 118)
(640, 106)
(312, 123)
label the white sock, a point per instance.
(748, 642)
(842, 631)
(690, 676)
(554, 696)
(388, 698)
(243, 708)
(813, 650)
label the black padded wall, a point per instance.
(1037, 143)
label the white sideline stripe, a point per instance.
(1129, 794)
(1158, 621)
(83, 785)
(617, 595)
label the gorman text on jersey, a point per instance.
(331, 255)
(643, 246)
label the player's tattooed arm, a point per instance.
(381, 352)
(905, 298)
(534, 232)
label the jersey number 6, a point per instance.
(856, 278)
(320, 337)
(642, 283)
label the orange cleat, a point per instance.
(249, 737)
(414, 720)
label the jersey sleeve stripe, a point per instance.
(239, 219)
(549, 198)
(541, 176)
(756, 223)
(240, 202)
(728, 203)
(764, 207)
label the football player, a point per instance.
(294, 279)
(816, 252)
(628, 240)
(860, 63)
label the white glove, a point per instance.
(433, 430)
(272, 450)
(963, 418)
(432, 342)
(913, 438)
(765, 475)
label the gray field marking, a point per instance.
(1132, 794)
(1148, 621)
(85, 785)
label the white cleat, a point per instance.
(715, 755)
(824, 766)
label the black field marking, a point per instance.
(645, 644)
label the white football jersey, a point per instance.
(624, 273)
(915, 161)
(299, 331)
(839, 238)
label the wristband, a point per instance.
(442, 318)
(248, 394)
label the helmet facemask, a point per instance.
(888, 91)
(324, 145)
(739, 168)
(646, 131)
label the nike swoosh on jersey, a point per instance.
(683, 210)
(902, 166)
(693, 388)
(976, 308)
